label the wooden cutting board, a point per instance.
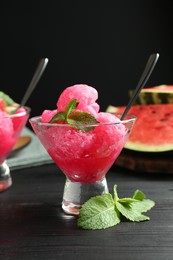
(146, 162)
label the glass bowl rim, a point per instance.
(22, 113)
(132, 118)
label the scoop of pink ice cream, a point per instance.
(85, 95)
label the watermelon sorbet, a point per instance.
(10, 127)
(83, 151)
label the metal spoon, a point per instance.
(142, 81)
(37, 75)
(21, 142)
(24, 140)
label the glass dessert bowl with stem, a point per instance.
(11, 125)
(84, 153)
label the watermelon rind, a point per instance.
(111, 109)
(8, 100)
(162, 94)
(148, 148)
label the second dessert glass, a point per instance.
(84, 154)
(11, 126)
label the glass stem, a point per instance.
(76, 193)
(5, 177)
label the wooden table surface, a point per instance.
(33, 226)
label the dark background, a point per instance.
(104, 44)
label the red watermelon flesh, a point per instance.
(153, 129)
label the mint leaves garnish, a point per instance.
(104, 211)
(78, 119)
(8, 100)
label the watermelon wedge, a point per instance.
(162, 94)
(153, 129)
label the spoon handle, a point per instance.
(142, 81)
(37, 75)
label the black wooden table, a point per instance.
(33, 226)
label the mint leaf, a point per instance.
(83, 118)
(139, 195)
(82, 121)
(143, 206)
(98, 213)
(71, 106)
(79, 120)
(124, 200)
(130, 213)
(63, 115)
(60, 116)
(132, 208)
(127, 200)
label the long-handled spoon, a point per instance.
(24, 140)
(142, 81)
(36, 77)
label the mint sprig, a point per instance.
(104, 211)
(80, 120)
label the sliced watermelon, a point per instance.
(162, 94)
(7, 104)
(8, 100)
(153, 129)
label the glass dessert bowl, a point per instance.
(11, 125)
(84, 153)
